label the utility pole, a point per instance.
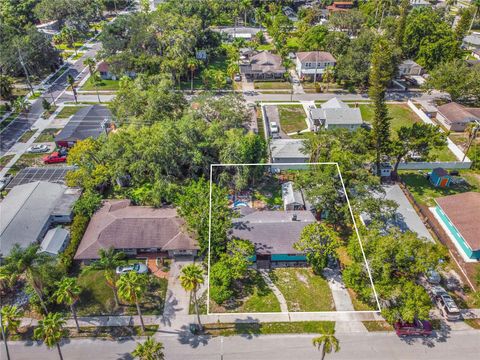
(316, 62)
(4, 337)
(24, 69)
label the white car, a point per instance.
(237, 77)
(274, 127)
(139, 268)
(40, 148)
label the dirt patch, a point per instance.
(302, 278)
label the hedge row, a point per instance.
(79, 225)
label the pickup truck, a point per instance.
(54, 158)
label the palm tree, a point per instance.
(108, 262)
(21, 104)
(190, 279)
(91, 63)
(328, 76)
(71, 83)
(50, 331)
(326, 343)
(68, 292)
(471, 132)
(149, 350)
(131, 288)
(475, 3)
(28, 262)
(10, 317)
(192, 66)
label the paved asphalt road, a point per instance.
(17, 127)
(459, 345)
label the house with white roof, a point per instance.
(335, 114)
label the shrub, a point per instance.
(79, 225)
(87, 204)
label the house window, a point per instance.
(308, 64)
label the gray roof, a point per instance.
(336, 112)
(290, 195)
(26, 211)
(272, 232)
(53, 241)
(406, 218)
(287, 149)
(87, 122)
(473, 39)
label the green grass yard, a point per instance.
(68, 111)
(373, 326)
(97, 298)
(294, 327)
(303, 290)
(269, 85)
(102, 85)
(4, 160)
(292, 118)
(254, 296)
(400, 115)
(27, 135)
(47, 135)
(425, 193)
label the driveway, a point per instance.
(177, 301)
(273, 116)
(296, 84)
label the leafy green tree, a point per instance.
(108, 262)
(6, 87)
(88, 203)
(326, 343)
(46, 105)
(68, 292)
(192, 66)
(191, 279)
(314, 38)
(149, 350)
(50, 331)
(337, 43)
(476, 4)
(21, 104)
(419, 139)
(381, 73)
(29, 262)
(402, 23)
(18, 13)
(328, 76)
(318, 242)
(350, 21)
(131, 288)
(458, 79)
(463, 24)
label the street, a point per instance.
(458, 345)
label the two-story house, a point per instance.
(311, 64)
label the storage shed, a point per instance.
(440, 177)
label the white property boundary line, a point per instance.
(354, 224)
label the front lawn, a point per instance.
(373, 326)
(294, 327)
(292, 118)
(303, 290)
(425, 193)
(266, 85)
(102, 85)
(47, 135)
(97, 298)
(253, 296)
(68, 111)
(4, 160)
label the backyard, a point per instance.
(97, 298)
(425, 193)
(253, 296)
(303, 290)
(292, 118)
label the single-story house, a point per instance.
(471, 42)
(385, 169)
(405, 218)
(263, 66)
(135, 230)
(90, 121)
(55, 241)
(313, 63)
(292, 198)
(103, 69)
(459, 216)
(439, 177)
(273, 234)
(287, 151)
(456, 117)
(28, 211)
(409, 68)
(335, 114)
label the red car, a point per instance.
(54, 157)
(418, 327)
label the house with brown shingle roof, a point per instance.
(456, 117)
(459, 215)
(309, 63)
(135, 230)
(263, 66)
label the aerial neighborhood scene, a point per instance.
(239, 179)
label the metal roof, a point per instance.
(53, 174)
(287, 149)
(53, 241)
